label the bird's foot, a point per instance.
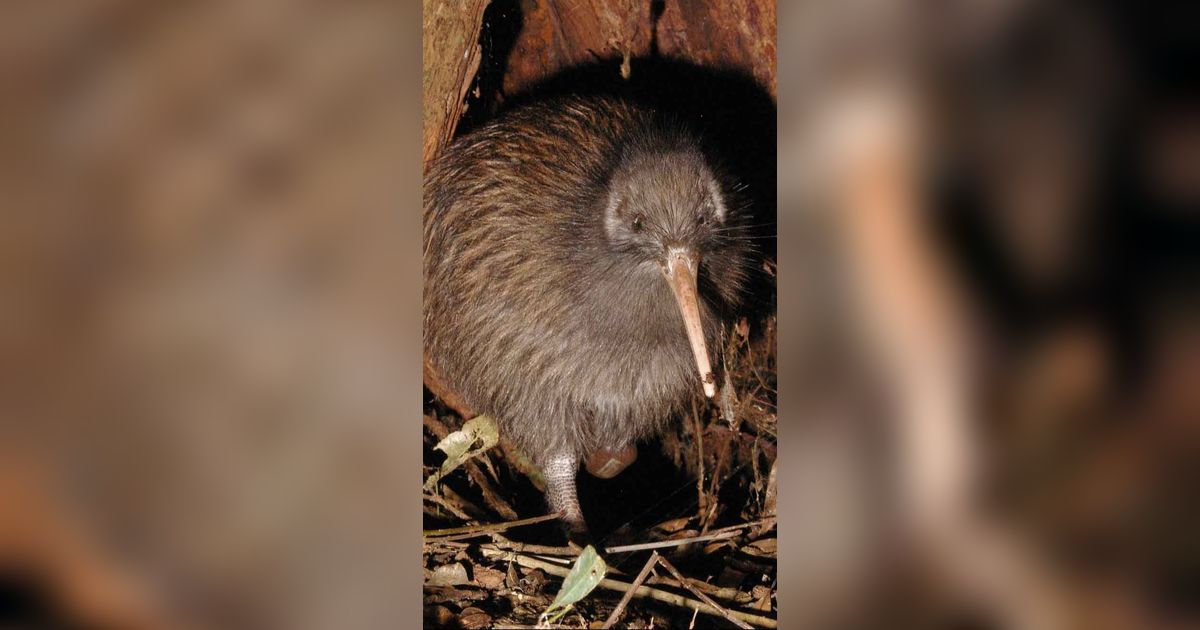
(607, 463)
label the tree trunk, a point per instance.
(450, 56)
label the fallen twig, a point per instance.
(490, 496)
(470, 531)
(500, 542)
(705, 598)
(770, 499)
(701, 498)
(637, 582)
(527, 627)
(643, 591)
(729, 594)
(730, 528)
(676, 542)
(454, 509)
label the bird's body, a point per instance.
(559, 243)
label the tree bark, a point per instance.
(729, 34)
(450, 57)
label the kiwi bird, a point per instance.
(579, 255)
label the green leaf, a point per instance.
(477, 435)
(589, 569)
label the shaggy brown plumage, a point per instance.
(560, 244)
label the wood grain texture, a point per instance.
(450, 57)
(737, 34)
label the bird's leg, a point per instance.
(560, 493)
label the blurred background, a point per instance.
(208, 339)
(988, 331)
(989, 360)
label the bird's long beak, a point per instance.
(681, 274)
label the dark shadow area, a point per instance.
(27, 601)
(502, 21)
(650, 491)
(656, 10)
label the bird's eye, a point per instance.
(637, 223)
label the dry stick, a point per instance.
(715, 485)
(644, 591)
(748, 400)
(770, 500)
(454, 544)
(503, 544)
(439, 513)
(637, 582)
(527, 627)
(448, 505)
(744, 525)
(490, 497)
(700, 498)
(500, 542)
(668, 543)
(705, 598)
(726, 593)
(470, 531)
(489, 549)
(467, 506)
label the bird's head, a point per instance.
(667, 215)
